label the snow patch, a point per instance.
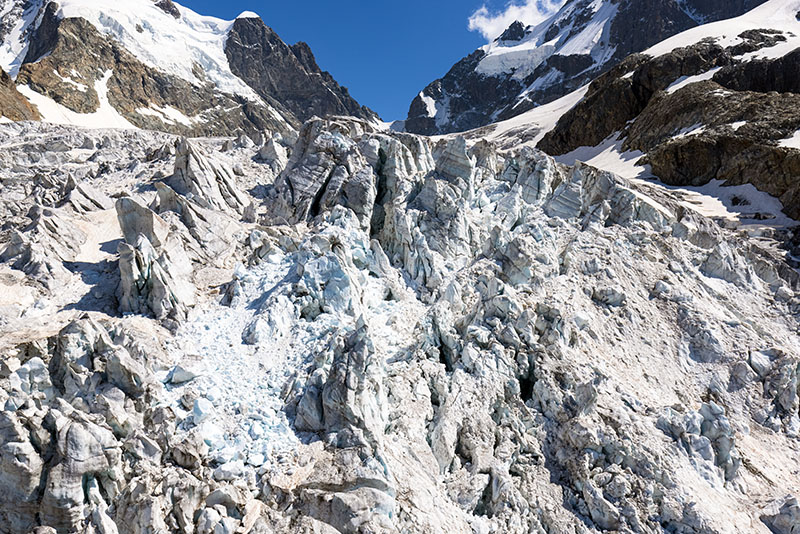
(79, 86)
(105, 116)
(430, 104)
(774, 14)
(595, 36)
(695, 129)
(609, 156)
(543, 119)
(169, 115)
(520, 59)
(248, 15)
(791, 142)
(683, 81)
(742, 204)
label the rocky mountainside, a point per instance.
(715, 104)
(341, 328)
(529, 66)
(83, 62)
(289, 74)
(14, 106)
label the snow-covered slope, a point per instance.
(561, 35)
(534, 65)
(159, 39)
(778, 15)
(186, 60)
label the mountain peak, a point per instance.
(530, 66)
(208, 84)
(515, 32)
(248, 15)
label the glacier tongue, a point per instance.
(387, 334)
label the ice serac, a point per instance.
(528, 66)
(287, 74)
(209, 183)
(154, 269)
(326, 169)
(386, 333)
(83, 452)
(41, 248)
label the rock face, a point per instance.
(731, 124)
(13, 105)
(288, 74)
(526, 67)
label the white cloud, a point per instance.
(492, 23)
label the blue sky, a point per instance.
(384, 51)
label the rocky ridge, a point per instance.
(386, 334)
(288, 74)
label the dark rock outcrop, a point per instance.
(168, 7)
(621, 94)
(746, 153)
(480, 97)
(286, 74)
(763, 75)
(516, 32)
